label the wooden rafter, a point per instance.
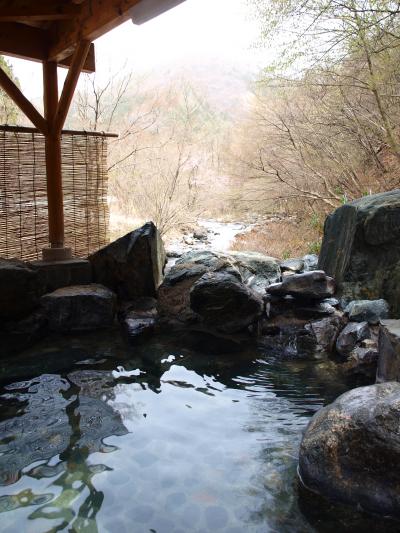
(40, 10)
(26, 42)
(70, 84)
(96, 18)
(23, 103)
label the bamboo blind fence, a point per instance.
(23, 198)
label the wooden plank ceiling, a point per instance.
(50, 30)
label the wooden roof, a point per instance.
(50, 30)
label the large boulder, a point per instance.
(254, 270)
(20, 289)
(389, 351)
(351, 449)
(224, 302)
(361, 248)
(131, 266)
(314, 285)
(79, 308)
(174, 293)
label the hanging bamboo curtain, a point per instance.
(23, 199)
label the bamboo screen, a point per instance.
(23, 199)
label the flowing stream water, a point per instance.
(166, 437)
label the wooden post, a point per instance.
(55, 112)
(53, 157)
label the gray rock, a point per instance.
(200, 234)
(351, 335)
(314, 285)
(326, 332)
(310, 262)
(287, 273)
(363, 359)
(173, 303)
(361, 248)
(389, 351)
(79, 307)
(188, 240)
(131, 266)
(288, 306)
(255, 270)
(371, 311)
(351, 450)
(174, 253)
(292, 265)
(224, 302)
(334, 302)
(56, 274)
(20, 289)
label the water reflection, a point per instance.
(58, 423)
(162, 436)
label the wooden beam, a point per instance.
(90, 62)
(96, 18)
(26, 42)
(55, 200)
(11, 11)
(23, 103)
(70, 84)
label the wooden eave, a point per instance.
(50, 30)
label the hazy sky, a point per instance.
(195, 31)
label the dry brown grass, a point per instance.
(282, 239)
